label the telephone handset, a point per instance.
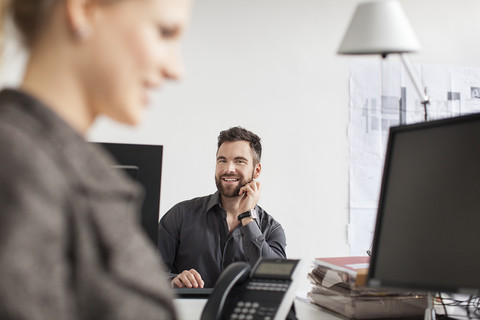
(266, 292)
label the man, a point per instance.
(199, 238)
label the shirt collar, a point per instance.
(214, 201)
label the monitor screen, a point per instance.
(427, 234)
(144, 164)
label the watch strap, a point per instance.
(246, 214)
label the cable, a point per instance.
(471, 306)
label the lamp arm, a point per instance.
(413, 78)
(422, 93)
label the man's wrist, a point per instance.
(252, 214)
(246, 221)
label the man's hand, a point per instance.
(251, 195)
(188, 278)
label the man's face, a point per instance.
(234, 168)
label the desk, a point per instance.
(191, 309)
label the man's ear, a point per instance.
(257, 171)
(79, 15)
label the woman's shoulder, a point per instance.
(24, 163)
(29, 151)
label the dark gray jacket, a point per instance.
(70, 244)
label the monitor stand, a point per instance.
(430, 311)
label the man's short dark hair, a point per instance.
(241, 134)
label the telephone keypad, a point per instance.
(246, 310)
(255, 310)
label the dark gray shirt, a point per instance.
(194, 234)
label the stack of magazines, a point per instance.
(340, 286)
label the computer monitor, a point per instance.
(427, 234)
(144, 164)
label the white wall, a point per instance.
(271, 66)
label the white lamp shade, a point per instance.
(379, 28)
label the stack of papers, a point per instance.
(340, 286)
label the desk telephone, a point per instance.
(266, 292)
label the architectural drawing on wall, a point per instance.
(453, 91)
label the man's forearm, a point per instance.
(256, 246)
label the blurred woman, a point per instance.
(70, 246)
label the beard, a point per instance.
(231, 191)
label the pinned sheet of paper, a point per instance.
(381, 96)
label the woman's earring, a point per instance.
(82, 33)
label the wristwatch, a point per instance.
(248, 214)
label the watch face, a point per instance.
(254, 213)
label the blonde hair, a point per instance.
(4, 6)
(28, 16)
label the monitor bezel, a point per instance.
(372, 279)
(149, 176)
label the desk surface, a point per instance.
(191, 309)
